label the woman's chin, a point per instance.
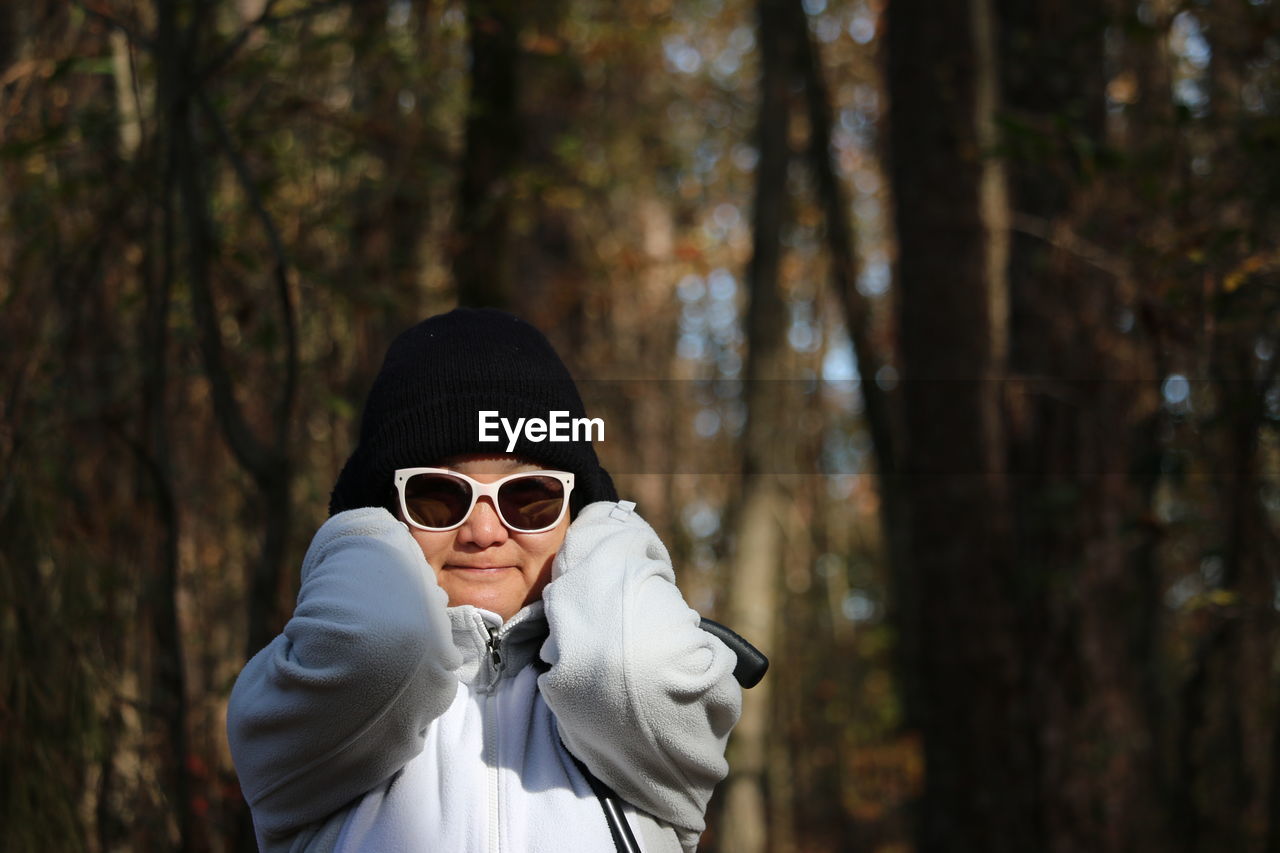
(488, 590)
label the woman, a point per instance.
(475, 628)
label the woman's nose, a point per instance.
(483, 527)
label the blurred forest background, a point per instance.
(939, 340)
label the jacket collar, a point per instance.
(518, 641)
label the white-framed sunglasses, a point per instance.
(438, 499)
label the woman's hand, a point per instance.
(643, 696)
(338, 702)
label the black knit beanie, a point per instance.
(425, 403)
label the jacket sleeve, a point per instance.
(341, 699)
(642, 695)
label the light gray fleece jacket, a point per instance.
(383, 720)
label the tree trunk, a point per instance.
(169, 692)
(968, 699)
(1081, 440)
(757, 529)
(1230, 739)
(390, 214)
(883, 415)
(481, 241)
(1229, 704)
(265, 460)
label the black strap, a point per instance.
(750, 669)
(623, 839)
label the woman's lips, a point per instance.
(479, 574)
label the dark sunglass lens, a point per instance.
(436, 500)
(531, 503)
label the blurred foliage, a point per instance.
(338, 130)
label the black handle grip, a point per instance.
(752, 664)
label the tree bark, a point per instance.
(1229, 743)
(1082, 441)
(753, 593)
(391, 214)
(1229, 704)
(952, 218)
(169, 677)
(882, 411)
(481, 240)
(265, 460)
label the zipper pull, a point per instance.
(493, 647)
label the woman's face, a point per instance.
(482, 562)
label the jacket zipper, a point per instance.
(491, 738)
(495, 656)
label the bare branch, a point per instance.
(246, 447)
(287, 309)
(99, 11)
(265, 20)
(184, 163)
(233, 47)
(1071, 243)
(840, 244)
